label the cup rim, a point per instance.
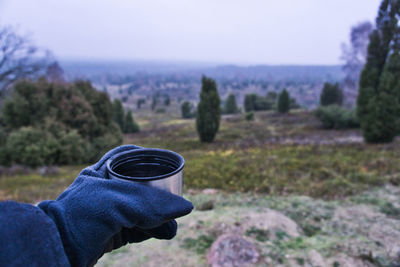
(147, 152)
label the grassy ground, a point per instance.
(33, 187)
(275, 154)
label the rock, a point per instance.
(272, 221)
(210, 191)
(387, 234)
(363, 220)
(343, 260)
(193, 191)
(206, 205)
(48, 170)
(222, 228)
(232, 250)
(316, 259)
(17, 170)
(353, 213)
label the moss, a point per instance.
(199, 245)
(300, 261)
(390, 210)
(310, 230)
(259, 234)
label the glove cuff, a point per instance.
(77, 256)
(29, 237)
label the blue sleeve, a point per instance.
(28, 237)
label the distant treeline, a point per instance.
(121, 72)
(140, 80)
(254, 102)
(46, 123)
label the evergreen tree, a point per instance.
(331, 95)
(378, 99)
(140, 102)
(294, 104)
(369, 78)
(154, 102)
(262, 103)
(250, 102)
(130, 126)
(167, 100)
(208, 111)
(272, 96)
(284, 102)
(187, 110)
(382, 123)
(230, 105)
(118, 113)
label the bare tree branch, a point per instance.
(354, 56)
(19, 59)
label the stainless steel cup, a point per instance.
(154, 167)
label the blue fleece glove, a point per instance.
(95, 215)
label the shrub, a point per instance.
(102, 144)
(73, 148)
(187, 110)
(154, 102)
(249, 116)
(294, 104)
(263, 103)
(36, 147)
(250, 102)
(32, 147)
(335, 117)
(118, 113)
(130, 125)
(167, 100)
(253, 102)
(331, 95)
(140, 102)
(4, 156)
(49, 123)
(230, 105)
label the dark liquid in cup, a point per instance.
(143, 170)
(145, 166)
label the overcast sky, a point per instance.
(220, 31)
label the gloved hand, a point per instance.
(95, 215)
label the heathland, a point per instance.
(337, 195)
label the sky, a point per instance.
(246, 32)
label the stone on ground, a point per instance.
(232, 250)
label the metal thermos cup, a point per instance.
(154, 167)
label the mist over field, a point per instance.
(133, 80)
